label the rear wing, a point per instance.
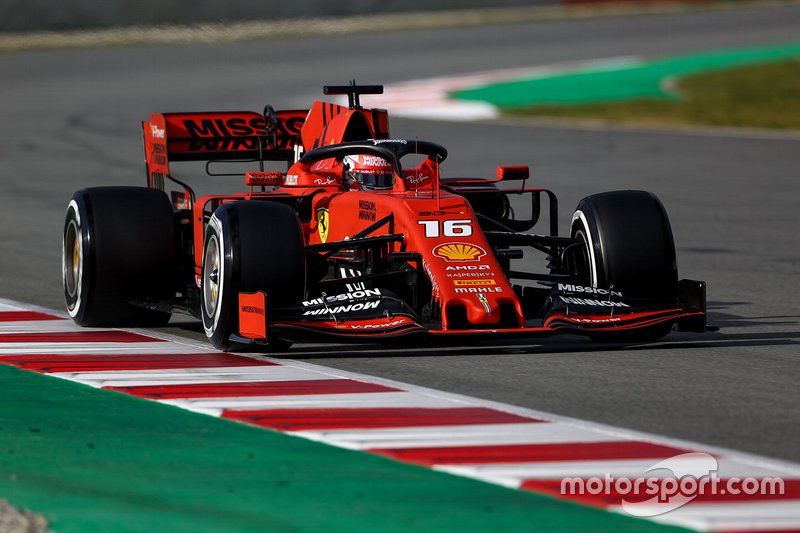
(273, 136)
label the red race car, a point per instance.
(350, 240)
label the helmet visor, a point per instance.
(372, 180)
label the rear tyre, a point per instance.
(249, 246)
(117, 247)
(628, 247)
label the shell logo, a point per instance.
(459, 251)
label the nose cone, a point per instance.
(491, 309)
(468, 283)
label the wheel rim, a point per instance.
(582, 260)
(211, 279)
(72, 259)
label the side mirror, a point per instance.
(521, 172)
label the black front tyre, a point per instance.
(628, 244)
(118, 247)
(628, 247)
(249, 246)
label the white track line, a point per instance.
(629, 468)
(72, 348)
(788, 469)
(189, 376)
(467, 435)
(365, 400)
(749, 516)
(36, 326)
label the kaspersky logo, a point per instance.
(459, 251)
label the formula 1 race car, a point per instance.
(350, 241)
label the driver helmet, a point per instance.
(368, 172)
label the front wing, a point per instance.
(375, 315)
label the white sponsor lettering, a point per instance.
(326, 181)
(291, 179)
(343, 308)
(468, 267)
(376, 142)
(590, 290)
(298, 152)
(417, 178)
(592, 303)
(449, 228)
(607, 320)
(466, 274)
(157, 132)
(432, 277)
(478, 289)
(372, 161)
(366, 293)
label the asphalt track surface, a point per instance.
(70, 119)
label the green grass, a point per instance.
(760, 96)
(91, 460)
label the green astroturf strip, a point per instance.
(628, 81)
(92, 460)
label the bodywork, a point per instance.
(434, 255)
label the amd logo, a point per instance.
(469, 267)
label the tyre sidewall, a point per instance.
(77, 219)
(222, 322)
(583, 221)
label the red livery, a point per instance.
(360, 236)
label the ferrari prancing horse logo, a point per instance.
(323, 223)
